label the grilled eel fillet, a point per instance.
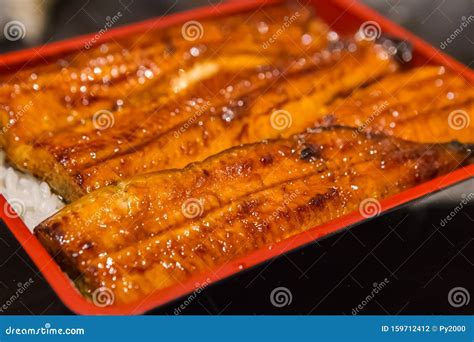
(428, 104)
(218, 115)
(415, 105)
(51, 132)
(162, 228)
(138, 69)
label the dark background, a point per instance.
(421, 259)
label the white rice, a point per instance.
(31, 199)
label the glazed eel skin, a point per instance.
(427, 104)
(159, 101)
(159, 229)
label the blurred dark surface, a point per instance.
(421, 260)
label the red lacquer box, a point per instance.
(345, 17)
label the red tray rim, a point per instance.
(64, 287)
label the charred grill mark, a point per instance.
(310, 152)
(266, 160)
(320, 199)
(56, 231)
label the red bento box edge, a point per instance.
(60, 282)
